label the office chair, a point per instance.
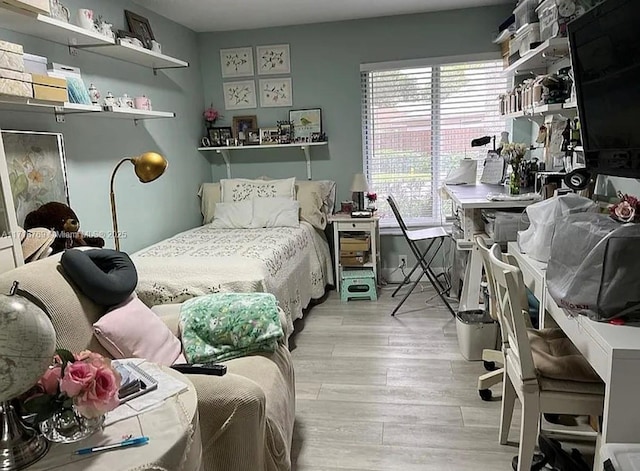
(435, 236)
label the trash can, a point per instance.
(476, 331)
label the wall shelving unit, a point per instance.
(226, 151)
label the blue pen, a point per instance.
(114, 446)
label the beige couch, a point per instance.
(246, 416)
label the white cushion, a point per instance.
(240, 189)
(275, 212)
(233, 215)
(209, 194)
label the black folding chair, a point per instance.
(435, 236)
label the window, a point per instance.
(418, 122)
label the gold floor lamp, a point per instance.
(148, 167)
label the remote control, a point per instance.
(215, 369)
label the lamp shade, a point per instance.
(359, 183)
(149, 166)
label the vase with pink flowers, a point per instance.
(210, 116)
(627, 209)
(73, 396)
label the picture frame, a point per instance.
(306, 123)
(37, 169)
(276, 92)
(129, 38)
(218, 135)
(285, 132)
(236, 62)
(205, 142)
(273, 59)
(252, 137)
(269, 136)
(242, 124)
(140, 26)
(239, 95)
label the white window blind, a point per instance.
(418, 122)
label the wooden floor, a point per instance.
(382, 393)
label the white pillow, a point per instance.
(275, 212)
(240, 189)
(233, 215)
(209, 194)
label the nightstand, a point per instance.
(344, 224)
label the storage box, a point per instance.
(503, 226)
(525, 13)
(36, 6)
(14, 83)
(11, 56)
(528, 38)
(34, 64)
(49, 88)
(548, 16)
(476, 331)
(355, 244)
(354, 260)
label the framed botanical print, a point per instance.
(240, 95)
(236, 62)
(275, 92)
(306, 123)
(37, 169)
(273, 60)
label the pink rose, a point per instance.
(101, 396)
(77, 376)
(625, 212)
(51, 380)
(92, 358)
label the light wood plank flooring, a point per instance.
(377, 393)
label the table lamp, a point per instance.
(359, 186)
(24, 323)
(148, 167)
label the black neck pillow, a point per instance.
(105, 276)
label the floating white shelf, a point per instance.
(547, 53)
(132, 113)
(543, 110)
(51, 29)
(225, 151)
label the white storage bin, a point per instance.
(476, 331)
(34, 64)
(527, 38)
(525, 13)
(548, 18)
(503, 226)
(624, 457)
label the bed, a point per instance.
(293, 263)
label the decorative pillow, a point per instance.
(105, 276)
(233, 215)
(326, 189)
(309, 195)
(275, 212)
(234, 190)
(210, 195)
(132, 330)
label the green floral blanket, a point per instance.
(223, 326)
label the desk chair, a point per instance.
(545, 380)
(435, 236)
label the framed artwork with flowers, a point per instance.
(237, 62)
(37, 169)
(273, 60)
(239, 95)
(275, 92)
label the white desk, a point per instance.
(469, 201)
(613, 351)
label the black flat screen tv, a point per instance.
(605, 54)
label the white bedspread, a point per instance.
(293, 263)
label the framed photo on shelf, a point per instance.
(242, 124)
(37, 170)
(205, 142)
(252, 137)
(237, 62)
(140, 26)
(269, 136)
(285, 132)
(273, 60)
(306, 123)
(239, 95)
(218, 136)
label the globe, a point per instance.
(27, 345)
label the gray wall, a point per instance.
(325, 67)
(94, 145)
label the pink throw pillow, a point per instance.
(132, 330)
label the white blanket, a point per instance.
(293, 263)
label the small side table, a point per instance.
(174, 440)
(345, 223)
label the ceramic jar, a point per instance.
(125, 101)
(94, 94)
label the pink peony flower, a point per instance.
(102, 394)
(211, 114)
(77, 376)
(50, 380)
(624, 211)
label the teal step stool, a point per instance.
(358, 284)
